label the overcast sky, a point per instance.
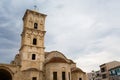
(86, 31)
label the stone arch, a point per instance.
(5, 73)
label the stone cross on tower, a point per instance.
(35, 5)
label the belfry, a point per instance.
(32, 62)
(32, 41)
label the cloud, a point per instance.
(103, 51)
(93, 60)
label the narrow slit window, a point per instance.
(63, 76)
(33, 56)
(34, 41)
(69, 75)
(35, 26)
(54, 75)
(34, 78)
(80, 78)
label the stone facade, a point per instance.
(106, 67)
(32, 62)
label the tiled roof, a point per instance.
(76, 70)
(57, 60)
(55, 52)
(32, 69)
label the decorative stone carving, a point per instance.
(29, 35)
(40, 37)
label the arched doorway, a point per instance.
(5, 75)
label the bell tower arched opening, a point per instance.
(5, 75)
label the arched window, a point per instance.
(35, 25)
(34, 41)
(33, 56)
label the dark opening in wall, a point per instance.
(80, 78)
(63, 76)
(34, 41)
(54, 75)
(34, 78)
(33, 56)
(35, 26)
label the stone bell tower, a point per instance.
(32, 40)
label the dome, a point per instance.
(57, 60)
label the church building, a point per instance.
(32, 62)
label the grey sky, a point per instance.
(87, 31)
